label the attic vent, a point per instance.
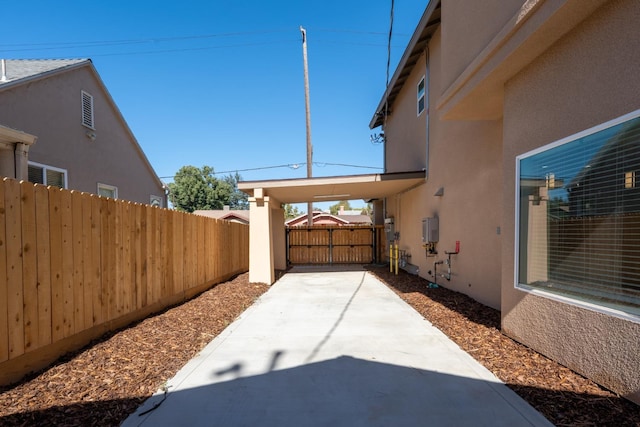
(87, 110)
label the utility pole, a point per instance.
(308, 118)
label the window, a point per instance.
(156, 201)
(421, 96)
(105, 190)
(87, 110)
(578, 221)
(47, 175)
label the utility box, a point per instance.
(389, 229)
(430, 230)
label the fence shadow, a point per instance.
(325, 268)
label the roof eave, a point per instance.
(421, 36)
(45, 74)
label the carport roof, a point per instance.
(351, 187)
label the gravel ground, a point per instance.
(105, 382)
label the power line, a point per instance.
(386, 104)
(290, 165)
(23, 47)
(141, 40)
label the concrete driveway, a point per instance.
(334, 349)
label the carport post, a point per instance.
(266, 238)
(261, 269)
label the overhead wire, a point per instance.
(289, 165)
(66, 45)
(386, 95)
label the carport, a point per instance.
(266, 199)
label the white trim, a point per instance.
(53, 168)
(108, 188)
(516, 252)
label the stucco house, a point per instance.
(523, 118)
(83, 141)
(240, 216)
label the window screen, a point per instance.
(110, 191)
(579, 217)
(55, 178)
(36, 174)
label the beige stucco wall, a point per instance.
(585, 79)
(464, 159)
(51, 110)
(404, 127)
(468, 26)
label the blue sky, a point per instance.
(221, 83)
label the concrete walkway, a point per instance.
(334, 349)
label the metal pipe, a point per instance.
(3, 76)
(397, 256)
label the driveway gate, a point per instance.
(335, 244)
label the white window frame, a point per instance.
(154, 198)
(52, 168)
(610, 311)
(87, 121)
(421, 95)
(107, 187)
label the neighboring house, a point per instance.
(232, 215)
(323, 218)
(83, 141)
(524, 117)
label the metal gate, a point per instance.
(334, 244)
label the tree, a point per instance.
(197, 188)
(238, 199)
(290, 211)
(367, 210)
(334, 209)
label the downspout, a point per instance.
(21, 156)
(426, 95)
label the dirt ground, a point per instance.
(106, 381)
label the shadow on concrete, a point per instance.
(321, 394)
(345, 391)
(325, 268)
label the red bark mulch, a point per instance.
(564, 397)
(105, 382)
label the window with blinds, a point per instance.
(47, 175)
(579, 217)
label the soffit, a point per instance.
(325, 189)
(427, 26)
(12, 136)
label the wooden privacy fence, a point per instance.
(74, 266)
(322, 244)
